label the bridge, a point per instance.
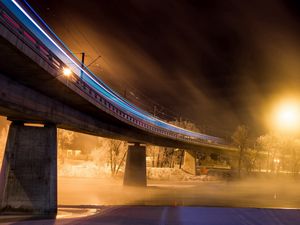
(43, 86)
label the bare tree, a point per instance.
(240, 140)
(295, 157)
(158, 160)
(64, 139)
(251, 158)
(152, 153)
(276, 147)
(178, 156)
(111, 152)
(100, 153)
(117, 153)
(283, 152)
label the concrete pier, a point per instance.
(189, 162)
(28, 179)
(135, 170)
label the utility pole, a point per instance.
(82, 63)
(180, 119)
(154, 110)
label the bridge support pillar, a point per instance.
(135, 170)
(28, 178)
(189, 162)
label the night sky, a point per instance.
(219, 63)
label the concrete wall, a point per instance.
(135, 169)
(29, 171)
(189, 162)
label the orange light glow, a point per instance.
(286, 116)
(67, 72)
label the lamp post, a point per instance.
(82, 64)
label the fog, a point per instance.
(256, 193)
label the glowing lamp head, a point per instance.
(67, 72)
(287, 116)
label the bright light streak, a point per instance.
(67, 72)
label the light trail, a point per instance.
(89, 77)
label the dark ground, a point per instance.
(142, 215)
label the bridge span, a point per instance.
(34, 89)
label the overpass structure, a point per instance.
(34, 90)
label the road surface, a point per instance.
(150, 215)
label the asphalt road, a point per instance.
(150, 215)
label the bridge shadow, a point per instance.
(26, 220)
(134, 215)
(119, 215)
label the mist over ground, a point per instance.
(254, 193)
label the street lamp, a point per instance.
(286, 116)
(67, 72)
